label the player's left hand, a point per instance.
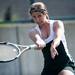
(53, 51)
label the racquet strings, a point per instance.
(8, 52)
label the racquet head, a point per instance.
(8, 52)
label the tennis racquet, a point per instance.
(10, 51)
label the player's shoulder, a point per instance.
(34, 29)
(58, 22)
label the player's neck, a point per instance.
(44, 25)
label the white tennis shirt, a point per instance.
(52, 35)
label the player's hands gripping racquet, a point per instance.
(10, 51)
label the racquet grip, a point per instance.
(33, 46)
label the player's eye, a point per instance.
(34, 16)
(39, 16)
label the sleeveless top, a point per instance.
(52, 35)
(64, 56)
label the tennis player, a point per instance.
(49, 36)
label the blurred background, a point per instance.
(15, 22)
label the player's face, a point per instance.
(39, 18)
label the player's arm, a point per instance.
(35, 37)
(58, 29)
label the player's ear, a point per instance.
(47, 16)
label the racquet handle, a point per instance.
(33, 46)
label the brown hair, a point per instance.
(38, 7)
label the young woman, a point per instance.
(49, 36)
